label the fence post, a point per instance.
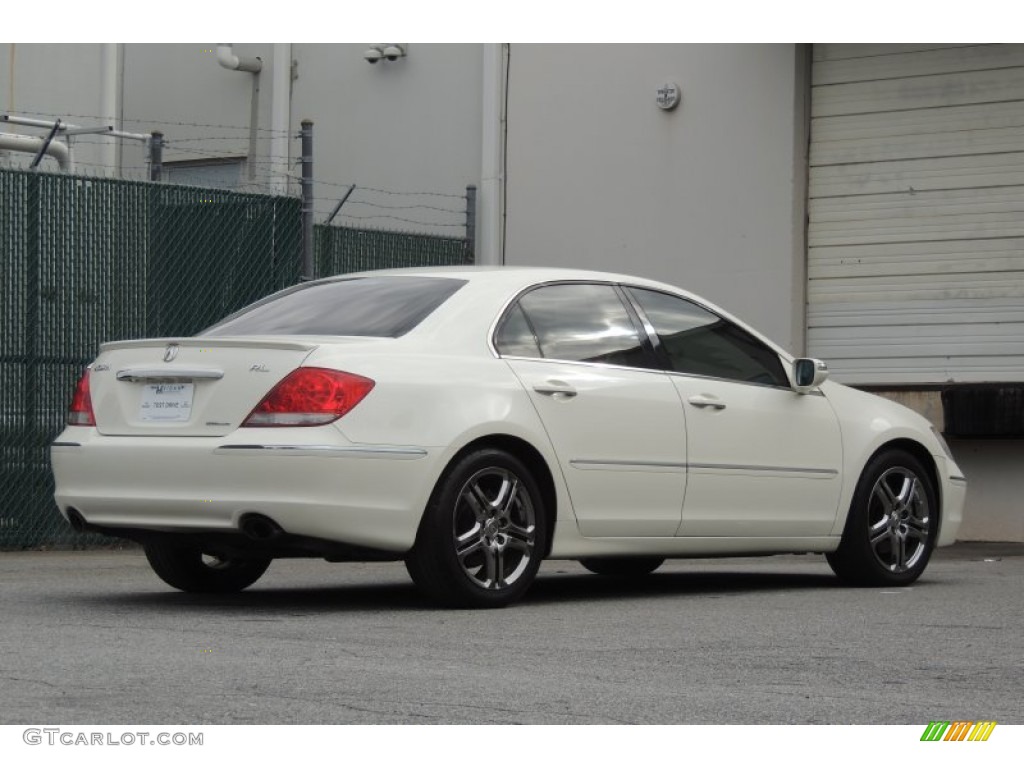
(308, 270)
(471, 224)
(156, 155)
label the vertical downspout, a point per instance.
(280, 118)
(108, 107)
(11, 56)
(227, 59)
(801, 184)
(492, 172)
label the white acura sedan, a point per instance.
(475, 421)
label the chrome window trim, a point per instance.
(647, 329)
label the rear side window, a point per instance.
(577, 322)
(364, 306)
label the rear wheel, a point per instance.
(190, 569)
(893, 521)
(623, 567)
(483, 533)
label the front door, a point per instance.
(763, 461)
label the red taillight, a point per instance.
(80, 413)
(308, 397)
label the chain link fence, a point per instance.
(91, 260)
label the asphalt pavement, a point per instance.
(94, 637)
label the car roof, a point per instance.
(511, 276)
(506, 281)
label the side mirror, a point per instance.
(808, 374)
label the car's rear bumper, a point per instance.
(310, 482)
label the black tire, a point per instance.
(892, 526)
(622, 567)
(482, 535)
(191, 570)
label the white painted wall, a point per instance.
(50, 81)
(703, 197)
(413, 125)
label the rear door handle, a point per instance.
(706, 401)
(554, 387)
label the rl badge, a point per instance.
(960, 730)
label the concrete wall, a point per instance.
(705, 196)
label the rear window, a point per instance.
(364, 306)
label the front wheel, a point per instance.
(483, 533)
(190, 569)
(892, 526)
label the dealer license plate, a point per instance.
(166, 402)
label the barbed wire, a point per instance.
(398, 218)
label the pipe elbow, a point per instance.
(227, 59)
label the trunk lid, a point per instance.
(188, 387)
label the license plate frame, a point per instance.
(166, 403)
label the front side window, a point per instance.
(573, 321)
(363, 306)
(699, 342)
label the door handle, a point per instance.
(706, 401)
(554, 387)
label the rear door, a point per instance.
(615, 423)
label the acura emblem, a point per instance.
(170, 353)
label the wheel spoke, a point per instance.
(507, 498)
(900, 552)
(490, 568)
(881, 534)
(520, 545)
(907, 492)
(518, 532)
(478, 502)
(467, 545)
(919, 524)
(884, 494)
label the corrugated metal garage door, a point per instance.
(916, 234)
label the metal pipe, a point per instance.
(32, 144)
(340, 203)
(228, 60)
(308, 267)
(492, 172)
(156, 156)
(280, 117)
(108, 105)
(471, 223)
(70, 129)
(46, 143)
